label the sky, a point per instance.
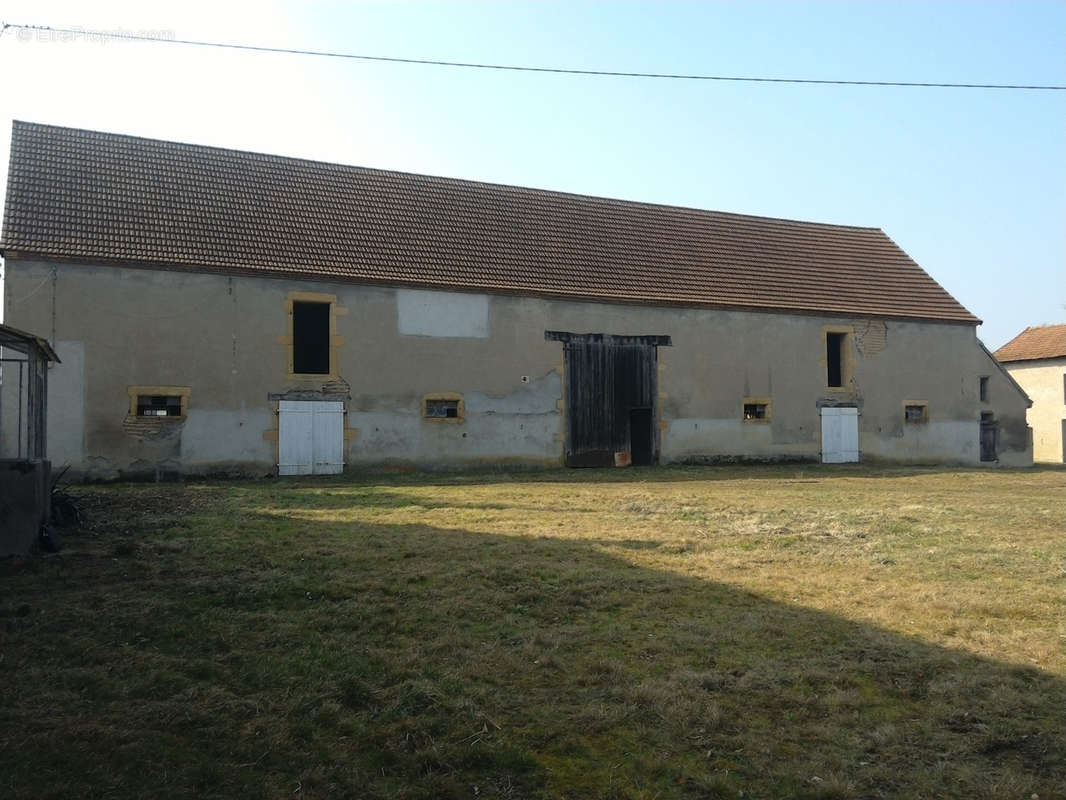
(971, 183)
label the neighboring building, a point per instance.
(25, 472)
(1036, 359)
(225, 311)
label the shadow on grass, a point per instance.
(407, 661)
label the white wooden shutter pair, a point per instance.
(840, 435)
(310, 437)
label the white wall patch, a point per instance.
(442, 314)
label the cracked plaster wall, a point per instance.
(224, 338)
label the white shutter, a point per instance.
(310, 437)
(849, 434)
(830, 436)
(328, 430)
(840, 435)
(295, 437)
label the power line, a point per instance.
(518, 68)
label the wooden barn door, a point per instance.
(611, 399)
(840, 435)
(310, 437)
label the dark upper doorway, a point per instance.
(611, 398)
(310, 338)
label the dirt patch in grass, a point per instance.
(668, 633)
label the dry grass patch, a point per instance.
(660, 633)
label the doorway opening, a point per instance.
(310, 338)
(641, 443)
(840, 435)
(989, 436)
(310, 437)
(611, 398)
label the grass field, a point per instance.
(663, 633)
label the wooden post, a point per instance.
(36, 403)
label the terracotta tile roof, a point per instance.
(99, 197)
(1043, 341)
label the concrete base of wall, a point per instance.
(25, 503)
(105, 471)
(725, 460)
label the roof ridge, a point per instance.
(448, 179)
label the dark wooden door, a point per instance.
(607, 379)
(989, 437)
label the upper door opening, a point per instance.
(310, 338)
(834, 359)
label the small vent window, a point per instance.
(754, 411)
(442, 409)
(158, 405)
(158, 402)
(983, 389)
(914, 414)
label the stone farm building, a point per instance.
(1036, 359)
(223, 311)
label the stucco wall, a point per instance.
(225, 339)
(1043, 382)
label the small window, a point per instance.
(310, 338)
(834, 359)
(443, 407)
(983, 391)
(158, 402)
(914, 413)
(754, 411)
(159, 405)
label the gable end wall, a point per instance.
(1043, 380)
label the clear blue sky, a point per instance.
(971, 183)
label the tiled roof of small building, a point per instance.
(1043, 341)
(79, 195)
